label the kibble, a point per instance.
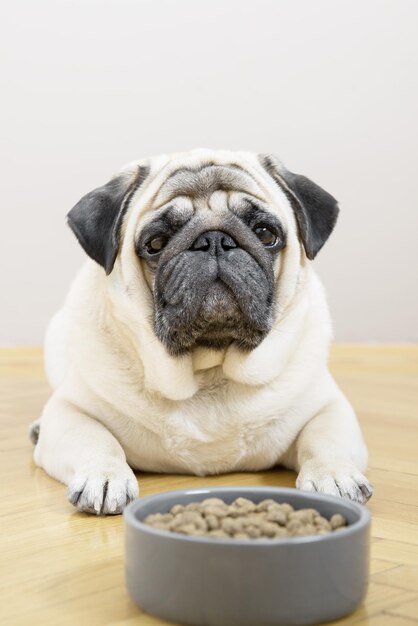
(245, 520)
(277, 516)
(337, 521)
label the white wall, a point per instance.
(331, 87)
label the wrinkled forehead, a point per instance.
(209, 187)
(201, 183)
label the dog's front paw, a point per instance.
(103, 490)
(340, 480)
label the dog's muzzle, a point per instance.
(212, 294)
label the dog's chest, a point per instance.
(225, 427)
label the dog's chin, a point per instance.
(218, 322)
(219, 305)
(218, 318)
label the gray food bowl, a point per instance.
(263, 582)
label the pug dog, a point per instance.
(195, 338)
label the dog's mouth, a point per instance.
(218, 305)
(213, 311)
(218, 317)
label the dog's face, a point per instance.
(209, 254)
(210, 241)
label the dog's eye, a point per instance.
(265, 235)
(155, 245)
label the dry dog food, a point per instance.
(244, 519)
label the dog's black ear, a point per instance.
(315, 209)
(97, 218)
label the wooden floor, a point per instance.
(61, 567)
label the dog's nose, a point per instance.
(214, 242)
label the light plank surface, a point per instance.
(61, 567)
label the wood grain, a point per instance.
(61, 567)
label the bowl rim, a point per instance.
(131, 510)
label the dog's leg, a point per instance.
(80, 452)
(34, 429)
(330, 454)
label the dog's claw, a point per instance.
(367, 490)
